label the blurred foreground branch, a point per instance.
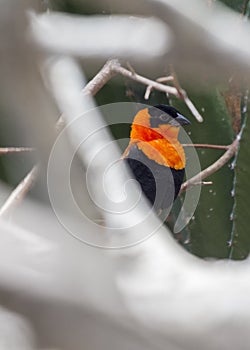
(18, 194)
(7, 150)
(153, 295)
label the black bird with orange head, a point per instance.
(155, 155)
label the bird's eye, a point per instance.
(164, 117)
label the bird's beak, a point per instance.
(182, 120)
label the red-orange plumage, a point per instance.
(159, 144)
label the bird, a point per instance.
(155, 156)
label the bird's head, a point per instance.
(163, 114)
(159, 120)
(155, 132)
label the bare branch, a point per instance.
(214, 167)
(176, 91)
(183, 95)
(206, 145)
(130, 67)
(165, 79)
(6, 150)
(205, 183)
(100, 79)
(176, 81)
(141, 79)
(113, 67)
(148, 92)
(191, 106)
(19, 192)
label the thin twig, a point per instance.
(175, 91)
(183, 95)
(6, 150)
(19, 192)
(113, 67)
(141, 79)
(165, 79)
(60, 124)
(101, 78)
(130, 67)
(206, 145)
(214, 167)
(205, 183)
(176, 82)
(148, 92)
(191, 107)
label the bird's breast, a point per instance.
(164, 152)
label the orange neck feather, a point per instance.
(159, 144)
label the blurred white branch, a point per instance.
(6, 150)
(197, 38)
(88, 135)
(15, 332)
(153, 295)
(101, 36)
(19, 192)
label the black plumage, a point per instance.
(159, 183)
